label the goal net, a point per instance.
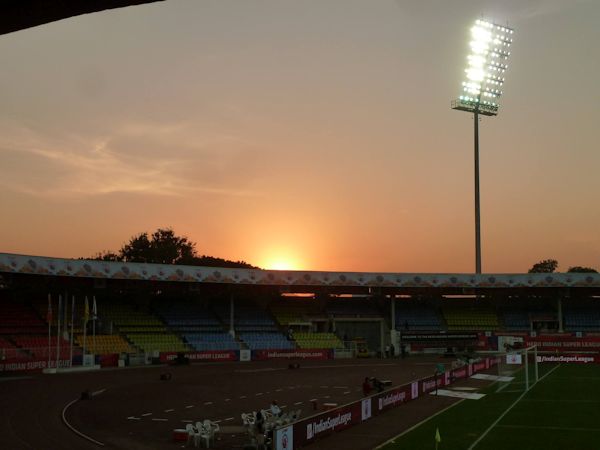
(512, 370)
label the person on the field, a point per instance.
(275, 409)
(367, 387)
(260, 422)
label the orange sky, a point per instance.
(312, 135)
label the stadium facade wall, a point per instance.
(38, 265)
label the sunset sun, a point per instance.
(281, 262)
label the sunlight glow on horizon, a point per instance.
(281, 261)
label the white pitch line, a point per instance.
(278, 390)
(147, 414)
(217, 421)
(208, 403)
(189, 406)
(258, 394)
(160, 420)
(548, 428)
(228, 419)
(347, 392)
(479, 439)
(243, 396)
(169, 410)
(298, 403)
(133, 418)
(227, 399)
(551, 400)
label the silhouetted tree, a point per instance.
(165, 247)
(211, 261)
(580, 269)
(107, 256)
(545, 266)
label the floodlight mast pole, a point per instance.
(477, 195)
(489, 51)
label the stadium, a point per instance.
(116, 121)
(307, 340)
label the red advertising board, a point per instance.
(30, 365)
(391, 399)
(292, 354)
(307, 430)
(111, 360)
(215, 355)
(563, 343)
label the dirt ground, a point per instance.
(134, 409)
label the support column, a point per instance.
(393, 308)
(381, 338)
(560, 315)
(231, 315)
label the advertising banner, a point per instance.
(284, 438)
(292, 354)
(307, 430)
(514, 358)
(31, 365)
(392, 398)
(245, 355)
(366, 407)
(563, 343)
(570, 359)
(414, 390)
(221, 355)
(111, 360)
(447, 337)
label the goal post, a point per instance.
(514, 369)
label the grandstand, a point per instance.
(314, 310)
(470, 318)
(150, 315)
(417, 317)
(318, 340)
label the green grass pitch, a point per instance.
(560, 412)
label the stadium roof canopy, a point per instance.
(292, 280)
(17, 15)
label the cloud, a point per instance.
(168, 160)
(537, 8)
(492, 9)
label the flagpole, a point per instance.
(84, 329)
(58, 330)
(72, 329)
(94, 314)
(49, 319)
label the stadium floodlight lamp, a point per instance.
(486, 66)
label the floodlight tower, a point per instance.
(490, 49)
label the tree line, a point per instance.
(550, 266)
(165, 247)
